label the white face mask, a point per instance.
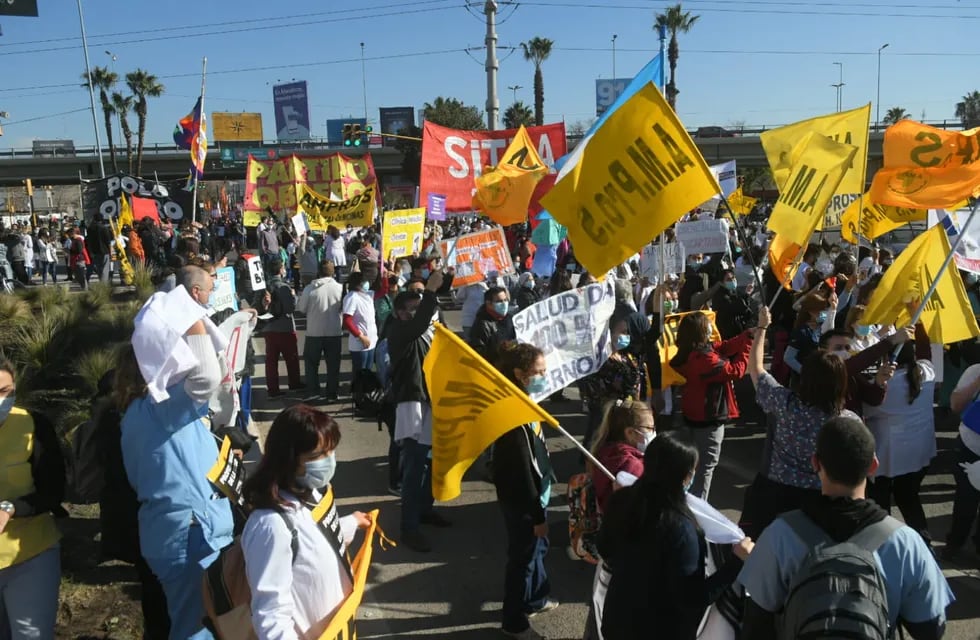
(648, 437)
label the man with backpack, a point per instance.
(841, 566)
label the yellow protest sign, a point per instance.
(876, 219)
(948, 316)
(740, 203)
(228, 473)
(401, 232)
(668, 346)
(927, 168)
(504, 192)
(473, 404)
(818, 170)
(637, 175)
(323, 211)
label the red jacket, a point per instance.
(708, 395)
(615, 456)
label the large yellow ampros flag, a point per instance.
(504, 192)
(948, 316)
(325, 210)
(638, 174)
(472, 406)
(875, 219)
(927, 168)
(818, 170)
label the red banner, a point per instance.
(453, 158)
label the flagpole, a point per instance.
(745, 244)
(782, 285)
(942, 270)
(585, 452)
(663, 234)
(204, 73)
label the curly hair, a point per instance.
(516, 355)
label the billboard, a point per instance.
(236, 127)
(292, 107)
(53, 147)
(335, 128)
(606, 92)
(25, 8)
(394, 120)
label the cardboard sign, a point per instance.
(223, 297)
(257, 273)
(401, 233)
(474, 255)
(674, 257)
(703, 236)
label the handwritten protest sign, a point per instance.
(668, 346)
(401, 232)
(223, 297)
(703, 236)
(256, 273)
(650, 260)
(572, 329)
(474, 255)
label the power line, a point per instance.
(587, 5)
(833, 4)
(774, 52)
(53, 115)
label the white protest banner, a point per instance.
(223, 297)
(650, 260)
(256, 273)
(300, 225)
(703, 236)
(725, 175)
(967, 255)
(572, 328)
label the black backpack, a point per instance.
(838, 591)
(367, 393)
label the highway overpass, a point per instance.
(168, 162)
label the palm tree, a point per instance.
(143, 85)
(537, 50)
(675, 20)
(103, 80)
(122, 105)
(968, 111)
(896, 114)
(518, 114)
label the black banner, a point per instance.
(26, 8)
(102, 196)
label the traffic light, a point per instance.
(356, 135)
(348, 134)
(29, 187)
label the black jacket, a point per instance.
(99, 239)
(409, 342)
(525, 297)
(282, 307)
(47, 471)
(519, 471)
(487, 333)
(732, 313)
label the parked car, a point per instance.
(713, 132)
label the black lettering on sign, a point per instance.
(519, 159)
(591, 227)
(793, 196)
(680, 159)
(648, 163)
(811, 204)
(624, 180)
(965, 149)
(918, 154)
(935, 300)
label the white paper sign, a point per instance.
(572, 329)
(256, 273)
(968, 253)
(650, 260)
(703, 236)
(300, 225)
(725, 175)
(223, 297)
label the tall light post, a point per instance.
(112, 67)
(514, 89)
(614, 56)
(878, 98)
(91, 89)
(364, 84)
(840, 85)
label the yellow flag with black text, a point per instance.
(638, 174)
(740, 203)
(473, 404)
(125, 212)
(325, 210)
(819, 166)
(504, 192)
(875, 219)
(948, 316)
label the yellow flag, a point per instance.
(504, 193)
(740, 203)
(927, 168)
(814, 179)
(124, 267)
(637, 175)
(784, 260)
(876, 219)
(125, 212)
(472, 406)
(668, 346)
(848, 127)
(323, 211)
(948, 316)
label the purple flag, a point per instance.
(437, 207)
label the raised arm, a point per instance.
(758, 351)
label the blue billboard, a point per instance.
(292, 106)
(335, 128)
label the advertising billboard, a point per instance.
(236, 127)
(606, 92)
(394, 120)
(292, 106)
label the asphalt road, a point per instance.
(456, 590)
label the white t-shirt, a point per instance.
(970, 437)
(905, 434)
(360, 305)
(338, 251)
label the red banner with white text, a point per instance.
(453, 158)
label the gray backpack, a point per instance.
(838, 592)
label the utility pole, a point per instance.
(364, 85)
(840, 86)
(614, 57)
(878, 98)
(493, 102)
(91, 90)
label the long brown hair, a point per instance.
(913, 372)
(298, 430)
(619, 416)
(823, 382)
(128, 383)
(693, 333)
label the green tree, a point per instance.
(452, 113)
(536, 51)
(104, 80)
(675, 20)
(896, 114)
(968, 111)
(143, 85)
(121, 106)
(518, 114)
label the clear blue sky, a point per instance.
(756, 62)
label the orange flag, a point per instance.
(927, 168)
(783, 260)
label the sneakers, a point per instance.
(527, 634)
(416, 541)
(434, 519)
(549, 605)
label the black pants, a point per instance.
(20, 271)
(766, 500)
(905, 489)
(156, 619)
(966, 502)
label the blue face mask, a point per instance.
(690, 483)
(821, 317)
(365, 286)
(537, 384)
(731, 285)
(501, 307)
(318, 473)
(6, 404)
(863, 330)
(623, 342)
(425, 274)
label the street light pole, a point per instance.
(91, 90)
(614, 57)
(840, 86)
(112, 67)
(878, 99)
(364, 84)
(514, 89)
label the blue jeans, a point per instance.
(416, 483)
(245, 402)
(48, 268)
(322, 348)
(29, 596)
(526, 584)
(181, 580)
(361, 360)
